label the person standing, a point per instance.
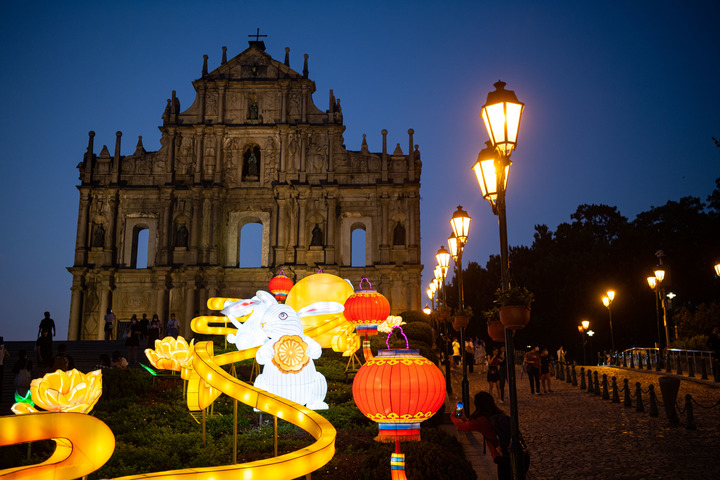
(493, 373)
(144, 324)
(532, 358)
(153, 331)
(545, 370)
(456, 352)
(109, 324)
(561, 355)
(47, 324)
(480, 354)
(132, 342)
(469, 354)
(173, 327)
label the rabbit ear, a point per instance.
(266, 298)
(240, 308)
(321, 308)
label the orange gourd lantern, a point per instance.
(366, 309)
(280, 286)
(398, 389)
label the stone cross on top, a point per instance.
(257, 35)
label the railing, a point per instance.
(682, 362)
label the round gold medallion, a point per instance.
(290, 354)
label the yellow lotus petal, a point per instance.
(21, 408)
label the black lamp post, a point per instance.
(443, 259)
(659, 277)
(461, 228)
(502, 113)
(583, 328)
(607, 301)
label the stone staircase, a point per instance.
(86, 355)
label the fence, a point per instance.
(672, 360)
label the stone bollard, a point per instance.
(583, 385)
(639, 407)
(679, 365)
(590, 384)
(691, 367)
(703, 369)
(616, 394)
(574, 377)
(653, 410)
(605, 393)
(596, 388)
(669, 387)
(689, 418)
(626, 392)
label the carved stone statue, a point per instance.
(181, 236)
(317, 234)
(399, 234)
(98, 238)
(253, 111)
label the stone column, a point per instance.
(283, 104)
(221, 103)
(195, 232)
(198, 153)
(217, 178)
(331, 222)
(166, 233)
(75, 307)
(185, 330)
(104, 295)
(304, 103)
(301, 226)
(82, 229)
(110, 239)
(331, 162)
(170, 174)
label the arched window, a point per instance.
(357, 246)
(140, 242)
(251, 164)
(250, 245)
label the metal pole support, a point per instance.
(615, 394)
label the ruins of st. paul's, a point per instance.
(252, 148)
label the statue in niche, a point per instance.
(253, 111)
(98, 238)
(317, 234)
(181, 236)
(251, 163)
(399, 234)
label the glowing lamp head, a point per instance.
(652, 282)
(427, 310)
(580, 329)
(591, 333)
(486, 169)
(606, 301)
(453, 245)
(717, 269)
(585, 324)
(659, 273)
(611, 295)
(443, 258)
(501, 114)
(460, 223)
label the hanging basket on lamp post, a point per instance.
(514, 307)
(496, 331)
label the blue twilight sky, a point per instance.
(621, 102)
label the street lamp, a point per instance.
(427, 310)
(607, 301)
(659, 277)
(443, 259)
(717, 269)
(460, 223)
(502, 113)
(652, 283)
(582, 328)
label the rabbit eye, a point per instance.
(283, 316)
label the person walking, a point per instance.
(561, 355)
(456, 352)
(532, 358)
(493, 373)
(480, 354)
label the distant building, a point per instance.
(252, 148)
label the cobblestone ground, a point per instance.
(574, 434)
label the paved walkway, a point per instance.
(574, 434)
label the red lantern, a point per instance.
(280, 286)
(366, 309)
(398, 389)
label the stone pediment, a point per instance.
(252, 64)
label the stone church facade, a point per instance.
(252, 148)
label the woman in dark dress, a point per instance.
(493, 373)
(132, 342)
(153, 331)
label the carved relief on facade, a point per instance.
(211, 104)
(293, 153)
(232, 154)
(270, 152)
(315, 156)
(234, 107)
(185, 156)
(294, 102)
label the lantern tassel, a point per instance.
(366, 349)
(397, 463)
